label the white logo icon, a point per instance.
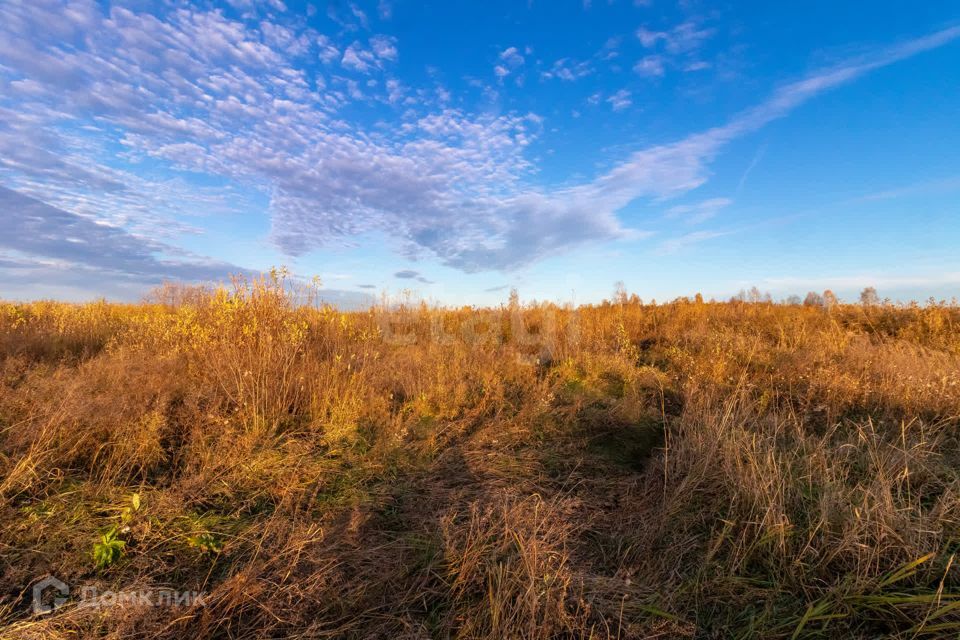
(49, 584)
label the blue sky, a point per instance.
(457, 149)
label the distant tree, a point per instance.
(754, 296)
(698, 298)
(813, 299)
(794, 300)
(869, 297)
(830, 299)
(514, 302)
(620, 293)
(176, 294)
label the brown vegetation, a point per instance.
(623, 470)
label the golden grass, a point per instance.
(614, 471)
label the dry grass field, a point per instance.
(625, 470)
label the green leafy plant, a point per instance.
(128, 512)
(109, 549)
(206, 542)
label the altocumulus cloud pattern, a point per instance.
(256, 101)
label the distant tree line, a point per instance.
(825, 300)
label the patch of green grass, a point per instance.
(206, 542)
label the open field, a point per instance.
(701, 470)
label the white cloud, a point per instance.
(856, 282)
(941, 185)
(620, 100)
(356, 58)
(395, 91)
(359, 15)
(677, 47)
(650, 66)
(570, 69)
(409, 274)
(57, 238)
(675, 245)
(384, 47)
(648, 38)
(510, 61)
(683, 38)
(699, 212)
(209, 94)
(327, 52)
(511, 57)
(567, 70)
